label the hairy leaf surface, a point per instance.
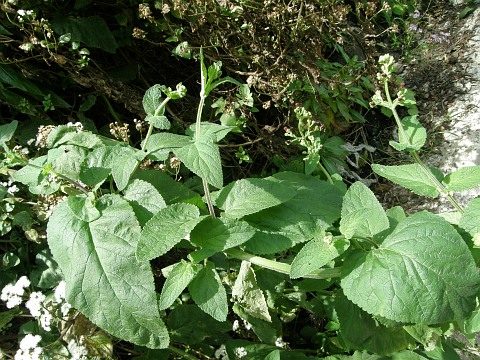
(315, 254)
(416, 135)
(144, 199)
(411, 177)
(104, 279)
(221, 234)
(178, 279)
(165, 229)
(209, 294)
(463, 179)
(203, 158)
(362, 214)
(423, 272)
(249, 196)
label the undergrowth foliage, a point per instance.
(239, 262)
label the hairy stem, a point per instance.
(281, 267)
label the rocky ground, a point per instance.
(446, 80)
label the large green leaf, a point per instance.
(423, 272)
(315, 206)
(178, 279)
(166, 228)
(208, 293)
(362, 332)
(249, 196)
(315, 254)
(362, 214)
(221, 234)
(463, 179)
(93, 31)
(104, 279)
(412, 177)
(203, 158)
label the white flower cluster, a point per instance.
(23, 15)
(221, 353)
(77, 125)
(38, 304)
(77, 350)
(12, 294)
(28, 348)
(11, 188)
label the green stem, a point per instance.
(281, 267)
(329, 178)
(206, 190)
(150, 128)
(438, 185)
(182, 353)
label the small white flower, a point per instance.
(28, 348)
(60, 292)
(34, 304)
(21, 12)
(12, 189)
(46, 320)
(280, 343)
(12, 294)
(240, 352)
(77, 350)
(65, 308)
(236, 325)
(247, 325)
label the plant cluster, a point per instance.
(295, 265)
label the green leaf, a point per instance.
(210, 129)
(93, 31)
(144, 199)
(463, 179)
(203, 158)
(311, 163)
(435, 278)
(104, 279)
(68, 135)
(68, 160)
(315, 254)
(31, 173)
(7, 131)
(248, 295)
(221, 234)
(209, 294)
(178, 279)
(160, 145)
(362, 332)
(412, 177)
(124, 164)
(159, 122)
(470, 220)
(416, 135)
(172, 191)
(190, 325)
(314, 207)
(152, 99)
(83, 207)
(362, 214)
(249, 196)
(165, 229)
